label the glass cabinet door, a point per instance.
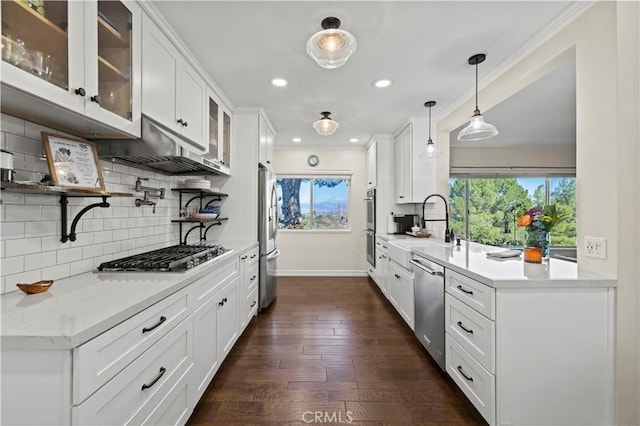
(35, 38)
(114, 58)
(226, 139)
(214, 129)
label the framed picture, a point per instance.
(73, 162)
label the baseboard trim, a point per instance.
(321, 273)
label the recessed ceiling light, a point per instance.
(383, 82)
(279, 82)
(354, 140)
(296, 140)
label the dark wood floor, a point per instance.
(332, 346)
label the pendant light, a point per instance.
(331, 47)
(477, 128)
(326, 126)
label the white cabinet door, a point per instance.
(401, 289)
(191, 95)
(160, 67)
(266, 139)
(270, 148)
(402, 162)
(372, 170)
(227, 301)
(205, 354)
(414, 175)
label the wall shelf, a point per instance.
(65, 194)
(200, 195)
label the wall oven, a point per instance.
(371, 247)
(371, 209)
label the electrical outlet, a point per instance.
(595, 247)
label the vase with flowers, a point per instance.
(538, 223)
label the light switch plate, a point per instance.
(595, 247)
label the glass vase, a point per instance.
(537, 249)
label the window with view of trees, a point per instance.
(494, 206)
(313, 203)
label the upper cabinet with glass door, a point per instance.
(82, 56)
(219, 134)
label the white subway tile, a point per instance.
(51, 212)
(111, 177)
(83, 239)
(53, 243)
(130, 180)
(106, 165)
(11, 124)
(42, 228)
(100, 259)
(103, 213)
(12, 265)
(102, 237)
(80, 266)
(147, 231)
(91, 225)
(41, 200)
(120, 234)
(55, 272)
(110, 248)
(120, 212)
(39, 260)
(121, 168)
(135, 251)
(128, 244)
(11, 230)
(23, 213)
(94, 250)
(142, 242)
(110, 224)
(23, 246)
(115, 202)
(70, 255)
(135, 232)
(20, 144)
(12, 198)
(33, 130)
(148, 174)
(22, 277)
(154, 240)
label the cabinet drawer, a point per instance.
(208, 285)
(251, 278)
(474, 381)
(134, 393)
(174, 409)
(471, 292)
(251, 256)
(252, 304)
(474, 332)
(98, 360)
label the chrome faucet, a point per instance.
(448, 235)
(146, 202)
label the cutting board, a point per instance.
(419, 234)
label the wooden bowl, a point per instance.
(37, 287)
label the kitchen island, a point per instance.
(526, 343)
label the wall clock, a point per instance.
(313, 160)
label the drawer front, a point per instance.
(474, 381)
(132, 395)
(174, 409)
(100, 359)
(471, 292)
(474, 332)
(252, 304)
(208, 285)
(251, 256)
(251, 277)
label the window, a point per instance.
(313, 203)
(486, 210)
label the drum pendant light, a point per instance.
(326, 126)
(331, 47)
(430, 148)
(477, 128)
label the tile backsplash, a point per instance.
(30, 246)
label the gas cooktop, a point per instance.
(176, 258)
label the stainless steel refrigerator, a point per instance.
(267, 235)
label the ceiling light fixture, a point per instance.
(296, 140)
(430, 149)
(326, 126)
(279, 82)
(354, 140)
(382, 83)
(331, 47)
(477, 128)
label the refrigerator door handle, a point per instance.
(273, 255)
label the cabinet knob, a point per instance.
(397, 276)
(268, 162)
(185, 124)
(253, 304)
(243, 257)
(402, 196)
(181, 121)
(80, 91)
(95, 99)
(221, 303)
(252, 278)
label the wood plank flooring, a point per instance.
(332, 348)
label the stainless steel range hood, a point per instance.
(160, 150)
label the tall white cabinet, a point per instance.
(415, 174)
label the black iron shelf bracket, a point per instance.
(204, 238)
(198, 226)
(64, 203)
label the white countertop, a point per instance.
(470, 259)
(77, 309)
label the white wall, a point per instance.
(521, 157)
(325, 253)
(604, 40)
(30, 246)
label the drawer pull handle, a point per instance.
(464, 328)
(153, 382)
(253, 278)
(223, 301)
(243, 257)
(464, 375)
(385, 247)
(397, 276)
(253, 304)
(153, 327)
(253, 256)
(469, 292)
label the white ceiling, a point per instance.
(423, 46)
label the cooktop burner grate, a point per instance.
(169, 259)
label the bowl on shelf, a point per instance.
(415, 229)
(34, 288)
(207, 215)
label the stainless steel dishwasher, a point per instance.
(428, 285)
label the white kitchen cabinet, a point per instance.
(173, 93)
(372, 167)
(266, 139)
(90, 64)
(382, 265)
(218, 130)
(227, 318)
(532, 355)
(414, 176)
(400, 291)
(248, 283)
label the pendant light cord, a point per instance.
(429, 123)
(476, 86)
